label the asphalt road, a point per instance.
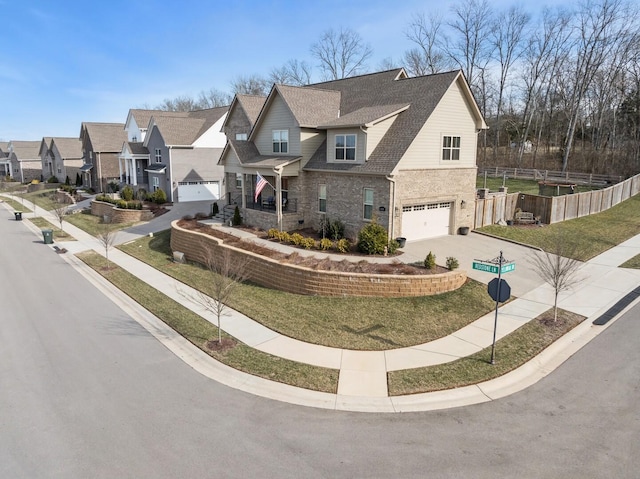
(86, 392)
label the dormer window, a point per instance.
(346, 147)
(241, 136)
(134, 139)
(280, 141)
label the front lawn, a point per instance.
(93, 224)
(587, 236)
(200, 331)
(42, 198)
(16, 205)
(352, 323)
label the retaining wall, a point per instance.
(118, 215)
(271, 273)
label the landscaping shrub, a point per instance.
(159, 197)
(141, 194)
(284, 237)
(308, 243)
(372, 239)
(201, 216)
(53, 179)
(78, 180)
(273, 233)
(430, 261)
(113, 186)
(326, 244)
(393, 246)
(127, 193)
(237, 219)
(67, 181)
(342, 245)
(122, 204)
(336, 230)
(296, 239)
(215, 209)
(452, 263)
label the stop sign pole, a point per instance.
(495, 322)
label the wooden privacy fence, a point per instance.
(547, 175)
(554, 209)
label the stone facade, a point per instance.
(299, 280)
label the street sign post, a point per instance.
(494, 268)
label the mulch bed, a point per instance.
(312, 262)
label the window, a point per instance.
(158, 155)
(280, 141)
(322, 198)
(368, 203)
(450, 147)
(59, 171)
(346, 147)
(238, 180)
(241, 136)
(134, 139)
(156, 183)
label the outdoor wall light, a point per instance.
(382, 208)
(463, 204)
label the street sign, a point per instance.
(493, 268)
(505, 290)
(489, 268)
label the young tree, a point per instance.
(341, 54)
(60, 210)
(558, 268)
(226, 274)
(107, 238)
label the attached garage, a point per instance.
(427, 220)
(198, 191)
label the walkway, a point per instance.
(363, 374)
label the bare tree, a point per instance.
(213, 98)
(180, 103)
(251, 85)
(558, 268)
(341, 54)
(60, 210)
(428, 56)
(107, 238)
(294, 72)
(226, 274)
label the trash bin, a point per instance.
(18, 215)
(47, 236)
(401, 242)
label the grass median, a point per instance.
(199, 332)
(587, 236)
(58, 234)
(511, 352)
(16, 205)
(373, 324)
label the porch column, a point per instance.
(120, 168)
(134, 171)
(244, 194)
(278, 173)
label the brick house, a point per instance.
(61, 157)
(24, 160)
(101, 145)
(380, 146)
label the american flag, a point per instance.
(260, 184)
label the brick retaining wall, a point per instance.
(118, 215)
(299, 280)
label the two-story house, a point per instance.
(184, 150)
(5, 164)
(384, 147)
(25, 161)
(61, 158)
(101, 145)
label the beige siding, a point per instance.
(452, 117)
(360, 144)
(310, 140)
(277, 117)
(230, 162)
(376, 132)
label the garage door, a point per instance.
(427, 220)
(198, 191)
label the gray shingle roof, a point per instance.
(137, 148)
(310, 107)
(365, 116)
(68, 147)
(381, 90)
(26, 150)
(251, 104)
(106, 137)
(179, 131)
(248, 154)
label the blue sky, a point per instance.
(63, 62)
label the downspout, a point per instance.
(393, 206)
(170, 176)
(278, 171)
(99, 173)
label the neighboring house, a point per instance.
(101, 146)
(61, 157)
(5, 164)
(384, 147)
(25, 161)
(184, 150)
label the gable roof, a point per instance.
(184, 128)
(366, 116)
(68, 147)
(26, 150)
(309, 106)
(105, 137)
(45, 144)
(251, 104)
(366, 96)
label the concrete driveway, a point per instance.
(475, 246)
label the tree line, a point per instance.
(560, 90)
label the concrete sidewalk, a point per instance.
(363, 374)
